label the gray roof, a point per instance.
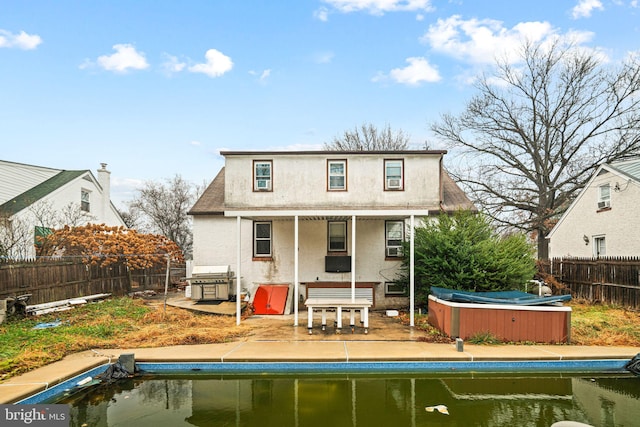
(631, 168)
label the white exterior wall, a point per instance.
(59, 199)
(215, 244)
(300, 181)
(620, 225)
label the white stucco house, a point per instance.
(326, 223)
(604, 220)
(35, 199)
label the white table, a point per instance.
(339, 304)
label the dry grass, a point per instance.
(115, 323)
(130, 323)
(595, 324)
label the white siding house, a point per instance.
(35, 198)
(320, 220)
(604, 220)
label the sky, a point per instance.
(157, 88)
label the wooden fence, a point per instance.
(60, 279)
(609, 280)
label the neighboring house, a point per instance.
(604, 219)
(323, 222)
(35, 199)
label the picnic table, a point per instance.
(338, 304)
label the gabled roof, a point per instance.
(630, 168)
(626, 169)
(211, 202)
(41, 190)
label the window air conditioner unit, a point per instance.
(393, 183)
(263, 184)
(603, 204)
(394, 251)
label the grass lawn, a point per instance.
(129, 323)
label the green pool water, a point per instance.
(359, 400)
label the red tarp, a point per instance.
(270, 299)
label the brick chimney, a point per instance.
(104, 179)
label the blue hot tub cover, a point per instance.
(500, 297)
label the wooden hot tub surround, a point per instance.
(512, 323)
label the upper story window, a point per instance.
(85, 196)
(337, 240)
(262, 175)
(262, 239)
(393, 174)
(337, 174)
(604, 196)
(394, 235)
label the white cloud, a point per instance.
(379, 7)
(195, 143)
(323, 57)
(481, 41)
(21, 40)
(217, 64)
(321, 14)
(263, 76)
(418, 71)
(584, 8)
(125, 58)
(172, 65)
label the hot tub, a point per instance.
(509, 322)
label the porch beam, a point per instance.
(238, 268)
(412, 284)
(296, 266)
(353, 258)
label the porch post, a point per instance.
(238, 269)
(353, 258)
(412, 291)
(296, 284)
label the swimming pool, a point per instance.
(598, 392)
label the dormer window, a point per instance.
(262, 172)
(393, 175)
(604, 196)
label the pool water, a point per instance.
(478, 399)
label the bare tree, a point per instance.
(162, 209)
(369, 138)
(537, 130)
(15, 235)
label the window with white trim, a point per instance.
(337, 174)
(262, 173)
(599, 246)
(85, 199)
(604, 196)
(393, 174)
(262, 239)
(394, 236)
(337, 236)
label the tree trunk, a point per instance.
(543, 245)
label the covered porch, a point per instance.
(354, 279)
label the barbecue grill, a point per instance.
(210, 282)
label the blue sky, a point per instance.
(157, 88)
